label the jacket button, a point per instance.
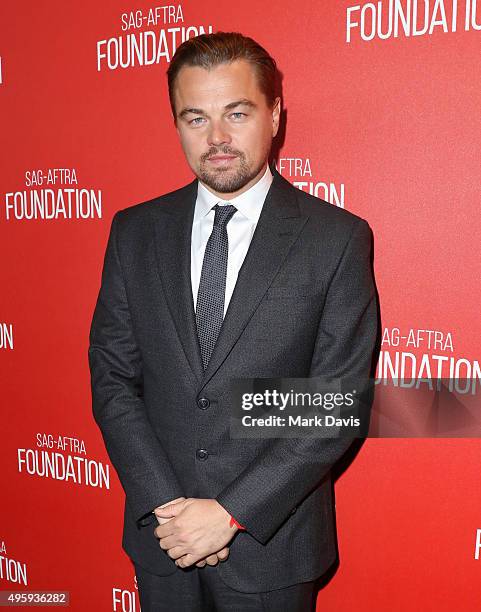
(293, 510)
(202, 454)
(203, 403)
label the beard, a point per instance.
(228, 179)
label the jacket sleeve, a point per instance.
(144, 469)
(263, 496)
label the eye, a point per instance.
(238, 113)
(194, 121)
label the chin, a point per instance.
(223, 180)
(231, 183)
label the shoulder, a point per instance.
(322, 211)
(141, 213)
(319, 211)
(330, 224)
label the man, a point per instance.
(235, 275)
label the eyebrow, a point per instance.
(230, 106)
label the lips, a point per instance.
(221, 157)
(221, 160)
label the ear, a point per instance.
(276, 115)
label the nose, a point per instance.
(218, 134)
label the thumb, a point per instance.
(173, 501)
(170, 510)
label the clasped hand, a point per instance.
(194, 531)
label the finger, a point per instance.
(170, 542)
(177, 553)
(223, 554)
(165, 530)
(201, 563)
(212, 560)
(186, 560)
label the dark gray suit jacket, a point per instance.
(304, 305)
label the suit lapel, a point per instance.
(173, 229)
(279, 225)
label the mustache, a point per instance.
(216, 153)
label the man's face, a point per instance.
(222, 113)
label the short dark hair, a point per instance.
(210, 50)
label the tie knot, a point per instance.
(223, 214)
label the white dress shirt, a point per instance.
(240, 230)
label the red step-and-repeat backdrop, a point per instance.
(382, 117)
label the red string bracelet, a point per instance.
(234, 522)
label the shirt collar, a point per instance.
(249, 203)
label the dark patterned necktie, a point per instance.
(209, 312)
